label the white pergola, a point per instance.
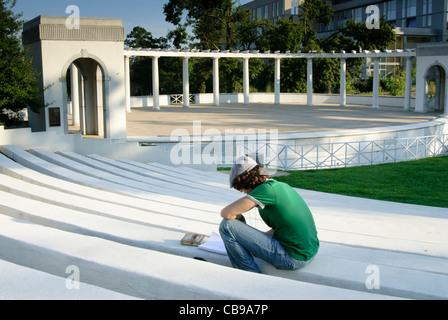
(277, 56)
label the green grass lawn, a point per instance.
(423, 182)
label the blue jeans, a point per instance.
(243, 242)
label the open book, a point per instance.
(214, 244)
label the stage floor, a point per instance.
(285, 118)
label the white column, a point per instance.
(376, 82)
(186, 83)
(74, 79)
(408, 86)
(445, 106)
(127, 80)
(343, 89)
(246, 80)
(155, 83)
(100, 101)
(277, 81)
(309, 81)
(216, 81)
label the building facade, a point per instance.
(415, 21)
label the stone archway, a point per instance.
(87, 92)
(96, 51)
(435, 89)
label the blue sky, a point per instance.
(145, 13)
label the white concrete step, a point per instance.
(142, 184)
(16, 170)
(33, 162)
(329, 268)
(22, 283)
(207, 177)
(176, 182)
(200, 223)
(375, 225)
(144, 273)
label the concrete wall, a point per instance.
(207, 98)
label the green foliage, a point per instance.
(214, 23)
(369, 39)
(18, 81)
(396, 83)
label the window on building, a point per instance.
(427, 6)
(343, 17)
(295, 7)
(411, 6)
(390, 10)
(427, 10)
(357, 14)
(259, 12)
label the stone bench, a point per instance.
(144, 273)
(179, 181)
(88, 179)
(23, 283)
(205, 177)
(16, 170)
(129, 179)
(402, 274)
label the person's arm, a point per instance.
(238, 207)
(270, 232)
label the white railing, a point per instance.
(179, 98)
(345, 154)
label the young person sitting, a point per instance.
(291, 242)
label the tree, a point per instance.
(18, 81)
(313, 13)
(369, 39)
(141, 38)
(213, 23)
(141, 67)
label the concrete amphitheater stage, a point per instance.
(286, 118)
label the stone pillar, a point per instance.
(216, 81)
(309, 81)
(100, 101)
(127, 83)
(445, 102)
(408, 86)
(186, 83)
(376, 82)
(74, 79)
(343, 89)
(155, 83)
(277, 80)
(246, 80)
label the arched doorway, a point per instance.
(85, 91)
(435, 89)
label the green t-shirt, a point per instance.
(282, 209)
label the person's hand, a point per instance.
(241, 218)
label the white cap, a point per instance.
(243, 165)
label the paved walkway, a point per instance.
(284, 118)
